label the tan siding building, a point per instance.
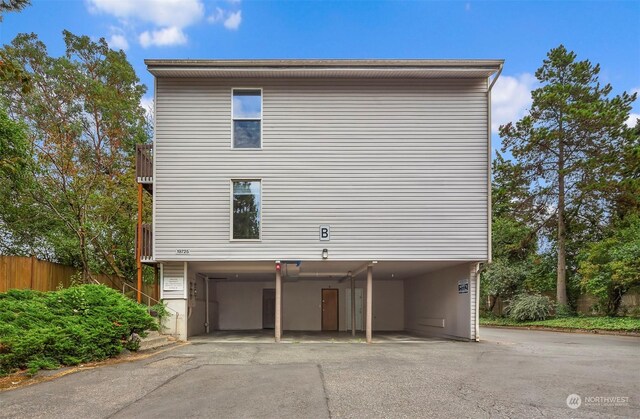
(252, 159)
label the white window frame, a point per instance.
(231, 209)
(233, 89)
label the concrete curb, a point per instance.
(566, 330)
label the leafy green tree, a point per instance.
(611, 267)
(563, 147)
(83, 118)
(503, 280)
(514, 240)
(16, 231)
(14, 148)
(8, 69)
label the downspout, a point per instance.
(477, 302)
(489, 208)
(489, 204)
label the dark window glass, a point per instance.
(246, 134)
(246, 209)
(247, 118)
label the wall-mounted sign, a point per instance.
(463, 286)
(173, 284)
(182, 251)
(325, 233)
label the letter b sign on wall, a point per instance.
(325, 233)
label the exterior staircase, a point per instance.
(154, 340)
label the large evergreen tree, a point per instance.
(564, 147)
(12, 6)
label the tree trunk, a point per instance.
(493, 300)
(614, 302)
(561, 285)
(83, 256)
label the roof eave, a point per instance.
(231, 68)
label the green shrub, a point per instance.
(564, 310)
(634, 312)
(66, 327)
(610, 268)
(527, 307)
(160, 312)
(618, 324)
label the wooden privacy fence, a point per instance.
(584, 303)
(31, 273)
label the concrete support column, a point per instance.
(369, 301)
(206, 304)
(353, 305)
(278, 321)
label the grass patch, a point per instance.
(44, 330)
(618, 324)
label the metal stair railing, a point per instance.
(149, 299)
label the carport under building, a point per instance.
(422, 298)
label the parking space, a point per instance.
(510, 373)
(266, 336)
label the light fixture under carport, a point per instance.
(325, 254)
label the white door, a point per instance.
(359, 304)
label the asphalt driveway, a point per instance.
(511, 373)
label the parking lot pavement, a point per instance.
(510, 373)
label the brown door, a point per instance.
(268, 308)
(330, 309)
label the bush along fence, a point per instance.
(585, 304)
(67, 327)
(18, 272)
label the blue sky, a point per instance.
(521, 32)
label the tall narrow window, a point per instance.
(247, 118)
(246, 210)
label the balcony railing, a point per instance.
(144, 163)
(146, 254)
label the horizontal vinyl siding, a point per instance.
(173, 270)
(397, 168)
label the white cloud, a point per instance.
(234, 20)
(162, 13)
(163, 37)
(216, 16)
(510, 99)
(118, 41)
(631, 121)
(165, 20)
(231, 20)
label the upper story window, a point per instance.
(247, 118)
(246, 197)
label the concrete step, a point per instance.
(154, 340)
